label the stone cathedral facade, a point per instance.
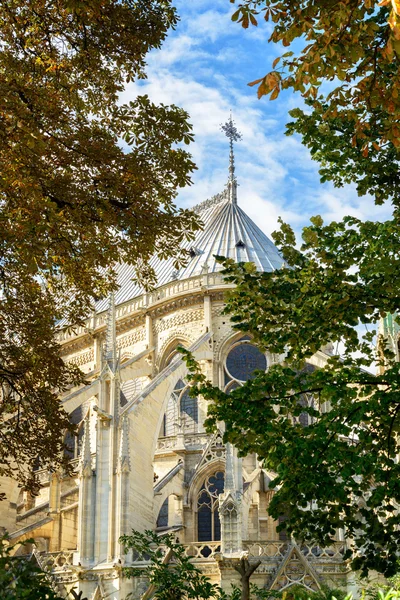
(142, 459)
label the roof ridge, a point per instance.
(213, 201)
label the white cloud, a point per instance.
(205, 66)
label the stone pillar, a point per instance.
(230, 509)
(106, 458)
(207, 313)
(122, 485)
(175, 507)
(54, 510)
(86, 501)
(149, 331)
(96, 351)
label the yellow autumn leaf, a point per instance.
(255, 82)
(274, 94)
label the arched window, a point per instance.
(304, 418)
(162, 519)
(131, 388)
(188, 412)
(171, 353)
(73, 443)
(241, 363)
(283, 536)
(182, 411)
(208, 523)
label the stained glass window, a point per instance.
(208, 523)
(182, 411)
(189, 412)
(304, 418)
(243, 360)
(283, 536)
(162, 519)
(170, 416)
(241, 363)
(74, 442)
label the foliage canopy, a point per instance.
(21, 578)
(344, 60)
(342, 469)
(168, 570)
(87, 181)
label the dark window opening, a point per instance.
(243, 360)
(208, 522)
(162, 519)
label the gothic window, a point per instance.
(241, 363)
(171, 353)
(162, 519)
(283, 536)
(73, 442)
(170, 417)
(131, 388)
(304, 418)
(208, 523)
(182, 411)
(189, 412)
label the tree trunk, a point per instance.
(246, 570)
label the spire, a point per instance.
(233, 135)
(86, 456)
(229, 471)
(123, 459)
(110, 350)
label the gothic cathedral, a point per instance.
(142, 459)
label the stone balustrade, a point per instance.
(202, 550)
(194, 441)
(272, 550)
(266, 549)
(168, 291)
(335, 552)
(56, 561)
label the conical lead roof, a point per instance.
(227, 231)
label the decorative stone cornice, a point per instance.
(162, 300)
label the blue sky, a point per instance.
(205, 66)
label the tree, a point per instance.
(86, 182)
(246, 570)
(342, 469)
(170, 573)
(353, 48)
(21, 578)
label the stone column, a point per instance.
(230, 509)
(207, 313)
(86, 501)
(105, 470)
(54, 510)
(122, 485)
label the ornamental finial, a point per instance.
(233, 135)
(110, 349)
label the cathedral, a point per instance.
(141, 457)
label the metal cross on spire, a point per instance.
(233, 135)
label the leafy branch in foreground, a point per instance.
(20, 577)
(168, 570)
(86, 183)
(340, 471)
(344, 61)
